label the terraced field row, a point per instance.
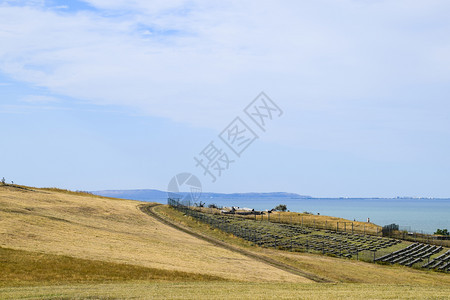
(292, 237)
(416, 254)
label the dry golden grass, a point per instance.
(116, 231)
(227, 290)
(313, 221)
(351, 271)
(73, 237)
(24, 268)
(335, 269)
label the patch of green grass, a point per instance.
(18, 268)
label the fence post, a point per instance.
(352, 227)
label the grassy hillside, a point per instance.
(313, 221)
(25, 268)
(332, 268)
(103, 229)
(221, 290)
(59, 244)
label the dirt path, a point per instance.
(148, 209)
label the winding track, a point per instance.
(148, 209)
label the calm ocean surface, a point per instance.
(416, 214)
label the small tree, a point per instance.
(3, 181)
(281, 207)
(442, 232)
(200, 204)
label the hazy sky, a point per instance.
(104, 94)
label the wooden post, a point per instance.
(345, 226)
(352, 227)
(337, 226)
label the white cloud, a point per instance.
(204, 61)
(61, 7)
(39, 99)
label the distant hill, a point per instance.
(155, 195)
(257, 195)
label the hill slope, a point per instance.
(58, 244)
(96, 228)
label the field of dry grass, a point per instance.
(226, 290)
(116, 231)
(332, 268)
(310, 220)
(61, 244)
(25, 268)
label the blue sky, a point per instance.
(103, 94)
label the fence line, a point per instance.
(306, 223)
(288, 236)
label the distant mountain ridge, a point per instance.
(152, 194)
(262, 195)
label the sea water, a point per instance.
(421, 215)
